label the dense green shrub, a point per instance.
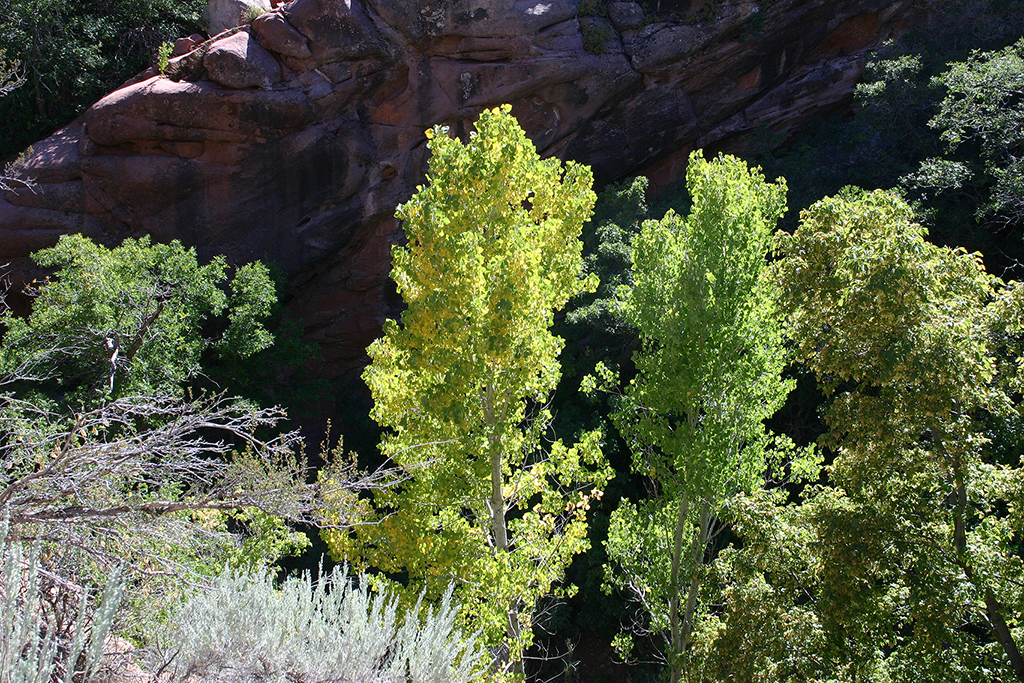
(982, 123)
(71, 52)
(105, 448)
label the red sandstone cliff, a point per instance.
(292, 140)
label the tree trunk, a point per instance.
(993, 607)
(681, 625)
(499, 527)
(140, 336)
(994, 612)
(676, 632)
(697, 551)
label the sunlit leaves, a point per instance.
(493, 250)
(709, 374)
(131, 319)
(917, 349)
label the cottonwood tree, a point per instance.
(709, 373)
(492, 501)
(919, 574)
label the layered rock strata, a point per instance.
(293, 139)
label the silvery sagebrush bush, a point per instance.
(336, 629)
(45, 637)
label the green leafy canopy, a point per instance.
(493, 251)
(709, 373)
(132, 319)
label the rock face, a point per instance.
(293, 139)
(240, 62)
(221, 15)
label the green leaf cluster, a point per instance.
(490, 501)
(982, 114)
(134, 319)
(104, 446)
(892, 137)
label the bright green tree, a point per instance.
(709, 374)
(916, 550)
(130, 320)
(492, 501)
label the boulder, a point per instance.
(182, 46)
(274, 32)
(160, 109)
(626, 15)
(221, 15)
(337, 29)
(240, 62)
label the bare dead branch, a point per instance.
(11, 180)
(140, 465)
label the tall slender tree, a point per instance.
(708, 375)
(492, 502)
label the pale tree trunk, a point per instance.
(676, 632)
(698, 551)
(114, 344)
(499, 527)
(682, 624)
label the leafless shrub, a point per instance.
(97, 479)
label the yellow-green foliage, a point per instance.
(163, 56)
(493, 250)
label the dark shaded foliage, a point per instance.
(72, 52)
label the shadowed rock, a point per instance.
(294, 139)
